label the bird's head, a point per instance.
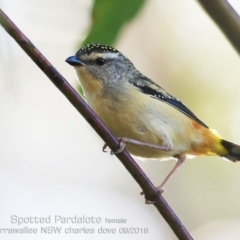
(100, 65)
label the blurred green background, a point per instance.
(109, 17)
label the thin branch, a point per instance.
(58, 80)
(226, 18)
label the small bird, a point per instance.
(153, 123)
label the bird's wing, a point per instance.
(149, 87)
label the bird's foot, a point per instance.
(148, 201)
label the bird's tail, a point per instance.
(233, 151)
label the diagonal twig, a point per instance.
(227, 19)
(58, 80)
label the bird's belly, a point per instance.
(150, 126)
(143, 131)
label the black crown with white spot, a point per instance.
(98, 48)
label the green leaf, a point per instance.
(108, 18)
(80, 91)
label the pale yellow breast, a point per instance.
(146, 119)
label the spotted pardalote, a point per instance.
(153, 123)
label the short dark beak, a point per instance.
(74, 61)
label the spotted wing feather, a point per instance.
(149, 87)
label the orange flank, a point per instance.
(196, 125)
(208, 143)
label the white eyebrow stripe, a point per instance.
(104, 55)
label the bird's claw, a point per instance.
(104, 147)
(147, 201)
(122, 146)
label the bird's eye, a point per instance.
(100, 61)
